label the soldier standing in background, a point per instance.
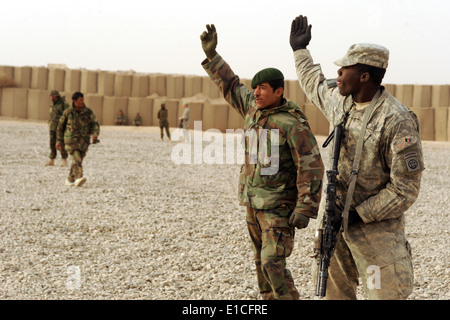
(163, 121)
(276, 202)
(185, 121)
(75, 128)
(372, 244)
(57, 108)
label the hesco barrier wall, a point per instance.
(108, 92)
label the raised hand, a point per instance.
(209, 41)
(300, 33)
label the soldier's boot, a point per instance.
(79, 182)
(50, 162)
(69, 184)
(64, 163)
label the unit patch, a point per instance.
(412, 161)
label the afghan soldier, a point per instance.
(138, 120)
(276, 201)
(163, 117)
(121, 119)
(75, 128)
(372, 243)
(57, 108)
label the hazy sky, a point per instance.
(164, 36)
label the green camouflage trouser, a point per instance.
(376, 252)
(273, 241)
(53, 151)
(76, 169)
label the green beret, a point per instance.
(266, 75)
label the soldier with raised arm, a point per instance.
(379, 174)
(280, 200)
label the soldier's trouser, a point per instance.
(379, 253)
(76, 169)
(53, 151)
(162, 127)
(273, 241)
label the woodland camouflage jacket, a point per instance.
(293, 176)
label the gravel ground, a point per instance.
(143, 227)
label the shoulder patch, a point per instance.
(404, 142)
(412, 161)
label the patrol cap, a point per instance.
(266, 75)
(365, 53)
(55, 93)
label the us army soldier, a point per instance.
(374, 247)
(278, 202)
(57, 107)
(75, 128)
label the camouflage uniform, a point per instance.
(75, 129)
(121, 120)
(388, 182)
(186, 118)
(138, 121)
(271, 199)
(56, 110)
(164, 122)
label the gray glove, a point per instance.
(298, 220)
(209, 41)
(300, 33)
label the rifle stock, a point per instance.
(326, 238)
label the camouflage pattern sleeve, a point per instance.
(314, 84)
(229, 84)
(95, 127)
(61, 127)
(402, 152)
(310, 168)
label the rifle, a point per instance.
(326, 237)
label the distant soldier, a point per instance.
(163, 121)
(185, 122)
(380, 168)
(277, 201)
(138, 120)
(121, 119)
(75, 128)
(57, 108)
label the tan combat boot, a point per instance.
(50, 162)
(64, 163)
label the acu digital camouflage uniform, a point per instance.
(75, 129)
(271, 198)
(57, 108)
(387, 183)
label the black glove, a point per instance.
(300, 33)
(209, 41)
(298, 220)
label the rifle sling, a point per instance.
(355, 166)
